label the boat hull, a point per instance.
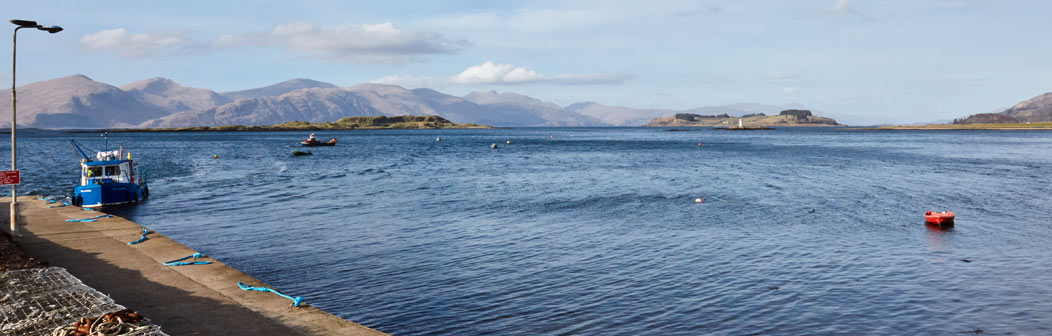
(98, 195)
(308, 143)
(938, 218)
(317, 144)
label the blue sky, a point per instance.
(896, 61)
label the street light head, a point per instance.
(24, 23)
(50, 29)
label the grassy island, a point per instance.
(347, 123)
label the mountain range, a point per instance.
(79, 102)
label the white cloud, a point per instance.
(489, 73)
(138, 45)
(351, 43)
(842, 9)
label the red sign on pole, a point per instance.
(8, 177)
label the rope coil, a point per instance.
(141, 237)
(295, 300)
(89, 219)
(180, 262)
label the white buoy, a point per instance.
(493, 146)
(438, 139)
(698, 200)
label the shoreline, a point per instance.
(1040, 126)
(182, 300)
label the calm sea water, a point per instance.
(594, 231)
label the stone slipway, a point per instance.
(182, 300)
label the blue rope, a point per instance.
(89, 219)
(141, 238)
(295, 300)
(88, 209)
(180, 262)
(59, 206)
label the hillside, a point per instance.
(172, 97)
(529, 111)
(784, 118)
(1037, 109)
(78, 102)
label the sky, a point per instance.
(892, 61)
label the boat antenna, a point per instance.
(106, 135)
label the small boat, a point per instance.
(312, 142)
(939, 218)
(109, 178)
(300, 153)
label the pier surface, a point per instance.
(182, 300)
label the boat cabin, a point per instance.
(99, 172)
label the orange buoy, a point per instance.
(698, 200)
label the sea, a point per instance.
(610, 231)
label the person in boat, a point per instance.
(310, 138)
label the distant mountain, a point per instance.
(520, 110)
(310, 105)
(617, 115)
(172, 97)
(1037, 109)
(78, 102)
(395, 100)
(277, 89)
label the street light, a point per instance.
(14, 47)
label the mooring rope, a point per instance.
(141, 238)
(60, 205)
(295, 300)
(180, 262)
(88, 209)
(89, 219)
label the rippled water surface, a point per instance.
(596, 231)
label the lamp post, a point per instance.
(14, 166)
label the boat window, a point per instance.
(95, 171)
(111, 170)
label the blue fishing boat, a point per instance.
(109, 178)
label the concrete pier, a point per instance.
(182, 300)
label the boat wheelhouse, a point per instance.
(109, 178)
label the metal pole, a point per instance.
(14, 165)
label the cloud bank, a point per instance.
(351, 43)
(138, 45)
(489, 73)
